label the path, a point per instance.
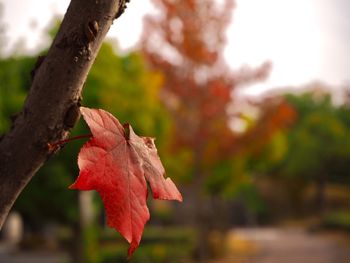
(30, 257)
(291, 246)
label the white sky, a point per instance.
(306, 40)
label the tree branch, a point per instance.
(52, 106)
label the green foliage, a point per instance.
(91, 244)
(14, 82)
(337, 220)
(126, 88)
(232, 180)
(47, 198)
(227, 177)
(317, 143)
(159, 245)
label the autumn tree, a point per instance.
(315, 150)
(52, 104)
(185, 42)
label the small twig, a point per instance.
(54, 146)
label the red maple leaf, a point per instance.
(116, 163)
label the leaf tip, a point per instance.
(132, 248)
(72, 187)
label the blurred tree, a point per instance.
(315, 149)
(319, 148)
(185, 42)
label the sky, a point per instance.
(306, 40)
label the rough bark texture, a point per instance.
(51, 107)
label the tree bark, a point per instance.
(52, 106)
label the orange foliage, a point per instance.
(276, 114)
(185, 43)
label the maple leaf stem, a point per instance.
(54, 146)
(127, 131)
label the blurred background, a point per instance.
(250, 105)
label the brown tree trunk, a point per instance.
(200, 210)
(51, 107)
(320, 195)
